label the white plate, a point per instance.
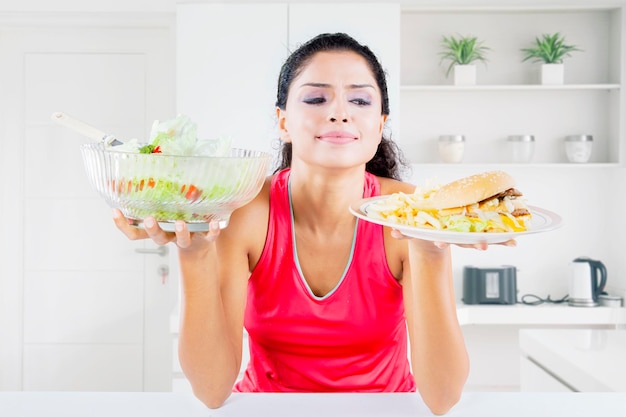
(192, 227)
(541, 221)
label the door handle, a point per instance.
(161, 251)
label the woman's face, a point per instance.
(333, 113)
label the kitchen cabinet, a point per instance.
(534, 378)
(492, 334)
(508, 100)
(585, 360)
(227, 64)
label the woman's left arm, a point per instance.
(438, 355)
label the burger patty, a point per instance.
(489, 204)
(520, 212)
(511, 192)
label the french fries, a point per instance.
(401, 208)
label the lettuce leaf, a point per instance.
(464, 224)
(177, 136)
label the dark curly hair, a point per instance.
(388, 160)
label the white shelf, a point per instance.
(412, 8)
(512, 87)
(531, 165)
(508, 97)
(544, 315)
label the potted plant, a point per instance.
(550, 50)
(461, 53)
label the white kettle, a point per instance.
(587, 281)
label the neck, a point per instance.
(321, 199)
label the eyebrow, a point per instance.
(325, 85)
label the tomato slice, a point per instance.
(193, 193)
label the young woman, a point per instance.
(326, 299)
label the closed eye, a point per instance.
(361, 102)
(314, 100)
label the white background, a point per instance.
(592, 200)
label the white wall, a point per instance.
(615, 232)
(545, 186)
(87, 6)
(170, 5)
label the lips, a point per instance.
(337, 137)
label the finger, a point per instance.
(441, 245)
(395, 233)
(155, 232)
(478, 246)
(183, 237)
(122, 223)
(510, 243)
(214, 230)
(482, 246)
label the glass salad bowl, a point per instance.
(195, 189)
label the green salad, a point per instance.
(170, 200)
(152, 184)
(176, 136)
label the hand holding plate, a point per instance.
(442, 245)
(182, 236)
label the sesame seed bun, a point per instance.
(469, 190)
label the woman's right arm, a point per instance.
(213, 283)
(214, 272)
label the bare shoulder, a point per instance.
(390, 186)
(248, 224)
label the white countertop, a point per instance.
(543, 314)
(585, 359)
(483, 404)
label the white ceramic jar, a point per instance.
(578, 148)
(522, 147)
(451, 148)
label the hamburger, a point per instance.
(486, 202)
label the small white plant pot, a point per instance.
(465, 74)
(552, 74)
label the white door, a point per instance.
(81, 310)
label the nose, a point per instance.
(338, 112)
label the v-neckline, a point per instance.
(297, 260)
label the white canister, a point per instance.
(522, 147)
(451, 148)
(578, 148)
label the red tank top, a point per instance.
(352, 339)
